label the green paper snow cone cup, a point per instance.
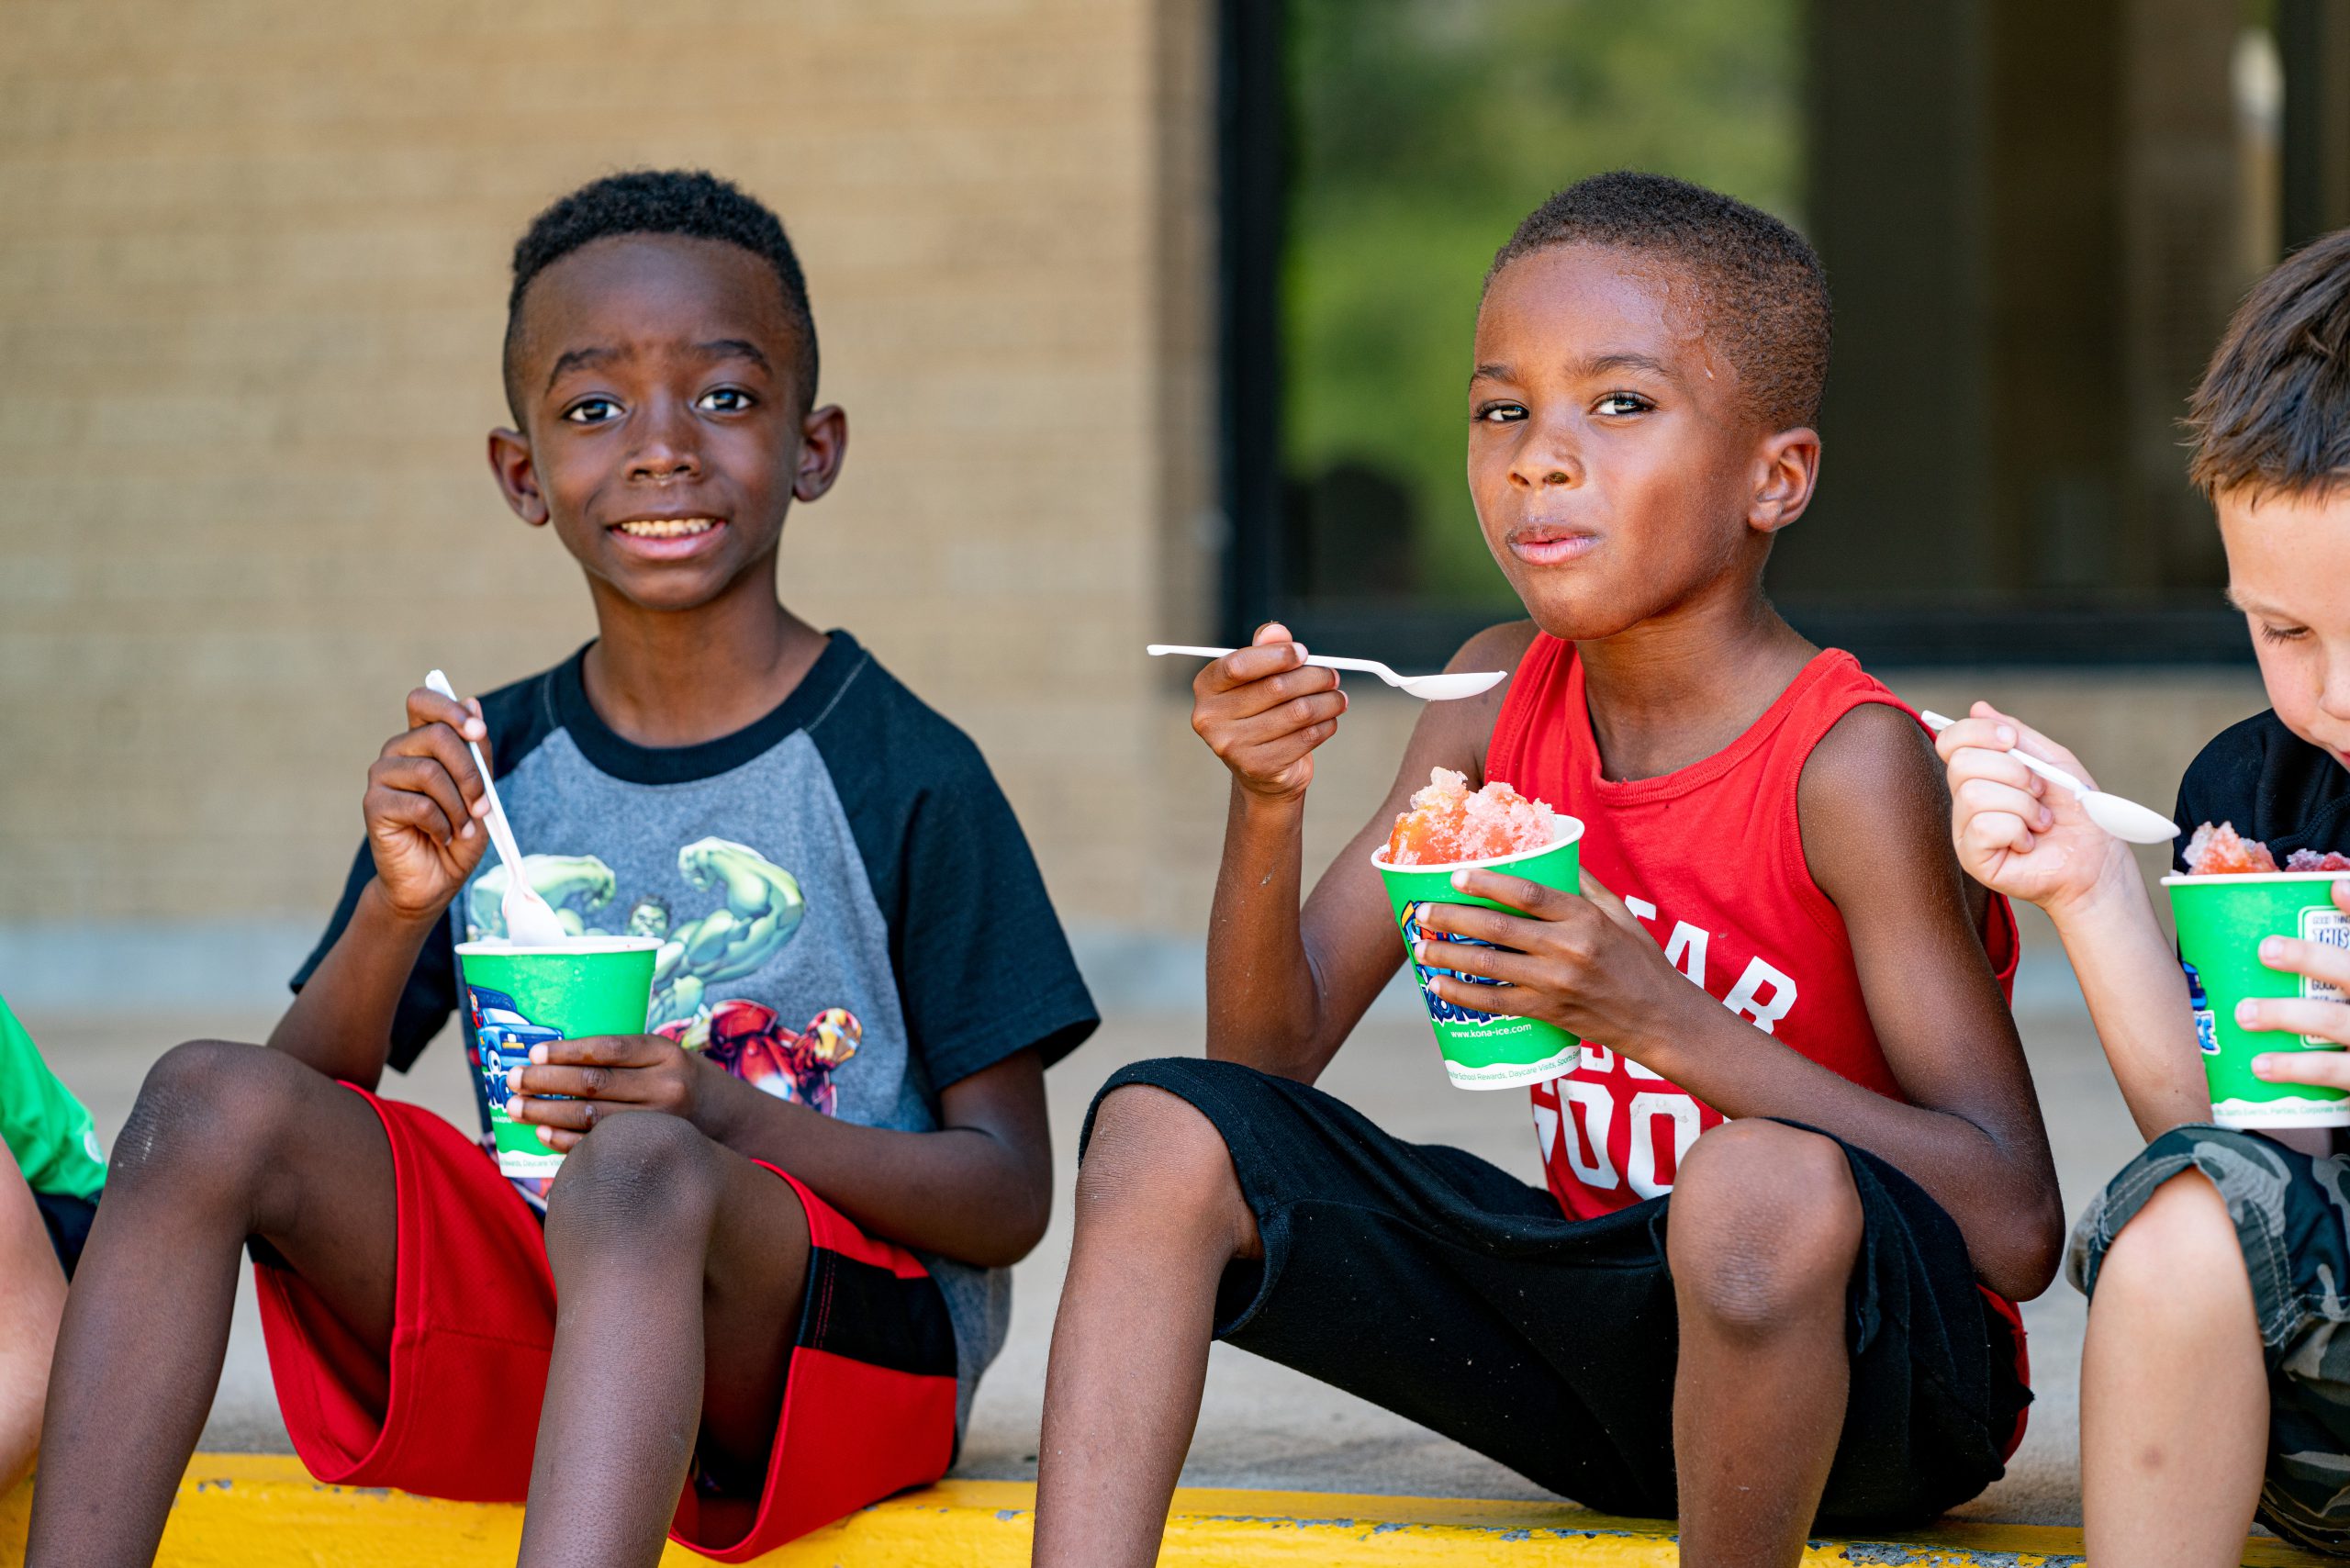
(521, 997)
(2221, 920)
(1486, 1050)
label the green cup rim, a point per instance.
(1569, 831)
(2240, 879)
(576, 946)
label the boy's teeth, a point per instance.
(667, 527)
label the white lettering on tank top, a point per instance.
(1577, 1128)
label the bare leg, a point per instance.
(226, 1142)
(679, 1269)
(1158, 1215)
(32, 1298)
(1763, 1233)
(2174, 1391)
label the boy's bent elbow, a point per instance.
(2027, 1244)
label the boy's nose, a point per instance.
(667, 453)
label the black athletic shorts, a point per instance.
(68, 1219)
(1431, 1282)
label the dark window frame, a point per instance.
(1253, 168)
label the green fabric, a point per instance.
(44, 1127)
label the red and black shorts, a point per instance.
(868, 1406)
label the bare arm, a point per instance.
(423, 808)
(2019, 836)
(1873, 815)
(979, 1189)
(1286, 985)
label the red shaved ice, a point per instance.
(2311, 861)
(2221, 851)
(1449, 823)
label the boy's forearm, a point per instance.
(960, 1191)
(2137, 998)
(1264, 1003)
(340, 1022)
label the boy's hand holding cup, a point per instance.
(2312, 1018)
(1263, 709)
(601, 1076)
(424, 805)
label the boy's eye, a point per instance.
(1499, 413)
(592, 411)
(723, 400)
(1620, 403)
(2282, 633)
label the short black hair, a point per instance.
(2273, 411)
(692, 202)
(1766, 293)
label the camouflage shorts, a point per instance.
(2289, 1211)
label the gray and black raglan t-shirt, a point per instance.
(849, 914)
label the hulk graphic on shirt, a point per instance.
(759, 908)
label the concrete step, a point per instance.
(264, 1511)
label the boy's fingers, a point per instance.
(1999, 767)
(1546, 903)
(1287, 717)
(1990, 834)
(445, 747)
(1250, 663)
(1479, 924)
(2315, 959)
(574, 1116)
(592, 1051)
(1469, 958)
(423, 777)
(2295, 1016)
(575, 1082)
(1980, 797)
(1989, 735)
(2341, 894)
(2326, 1069)
(426, 706)
(405, 808)
(1506, 1000)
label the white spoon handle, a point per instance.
(502, 836)
(1320, 661)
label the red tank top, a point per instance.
(1711, 858)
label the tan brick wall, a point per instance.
(251, 293)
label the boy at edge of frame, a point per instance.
(2215, 1377)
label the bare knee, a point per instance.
(638, 1181)
(1764, 1228)
(1155, 1158)
(209, 1111)
(2178, 1253)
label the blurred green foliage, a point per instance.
(1421, 131)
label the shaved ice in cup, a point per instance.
(518, 997)
(2234, 896)
(1451, 827)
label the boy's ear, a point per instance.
(517, 479)
(824, 446)
(1787, 466)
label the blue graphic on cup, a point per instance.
(1438, 1008)
(2207, 1028)
(504, 1037)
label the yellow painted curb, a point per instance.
(264, 1511)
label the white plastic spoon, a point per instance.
(2125, 820)
(529, 923)
(1427, 688)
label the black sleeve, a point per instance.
(430, 994)
(984, 969)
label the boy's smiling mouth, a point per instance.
(666, 527)
(668, 538)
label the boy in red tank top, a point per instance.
(1777, 1322)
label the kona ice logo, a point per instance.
(1440, 1010)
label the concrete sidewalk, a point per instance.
(1262, 1426)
